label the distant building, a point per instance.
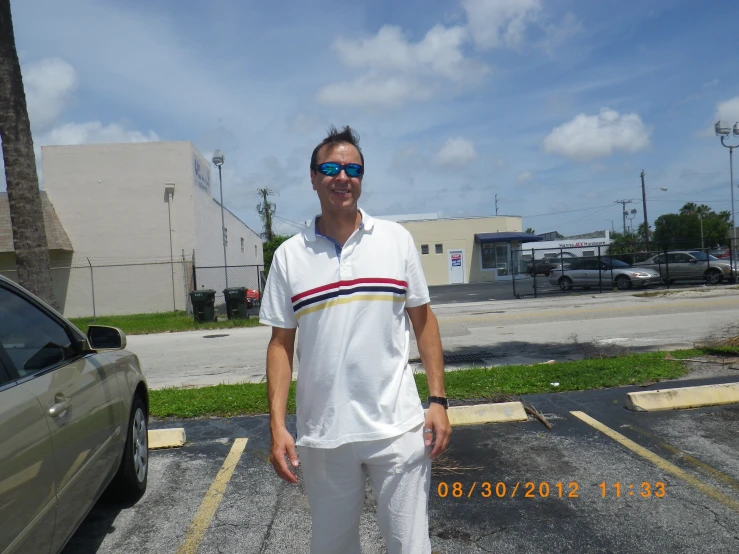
(107, 206)
(465, 250)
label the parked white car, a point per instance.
(607, 272)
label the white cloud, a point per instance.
(728, 111)
(374, 91)
(438, 53)
(456, 151)
(398, 70)
(588, 137)
(524, 177)
(497, 23)
(48, 83)
(94, 132)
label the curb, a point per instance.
(487, 413)
(684, 397)
(166, 438)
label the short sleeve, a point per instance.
(277, 308)
(418, 291)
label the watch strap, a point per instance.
(438, 400)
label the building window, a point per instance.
(242, 245)
(439, 249)
(225, 236)
(488, 255)
(424, 249)
(255, 251)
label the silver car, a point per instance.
(73, 422)
(689, 265)
(606, 272)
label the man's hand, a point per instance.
(437, 425)
(283, 445)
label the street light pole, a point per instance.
(723, 132)
(646, 221)
(218, 159)
(169, 192)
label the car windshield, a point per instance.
(615, 264)
(702, 256)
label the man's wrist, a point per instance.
(441, 400)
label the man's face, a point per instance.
(339, 193)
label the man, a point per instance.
(351, 283)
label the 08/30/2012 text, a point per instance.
(543, 489)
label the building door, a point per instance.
(456, 267)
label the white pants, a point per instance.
(399, 469)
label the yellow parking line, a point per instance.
(212, 500)
(695, 462)
(661, 463)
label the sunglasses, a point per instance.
(332, 169)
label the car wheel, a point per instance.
(713, 277)
(623, 282)
(130, 481)
(565, 283)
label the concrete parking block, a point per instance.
(166, 438)
(684, 397)
(487, 413)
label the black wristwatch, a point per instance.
(439, 400)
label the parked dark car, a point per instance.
(548, 264)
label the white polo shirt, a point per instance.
(354, 380)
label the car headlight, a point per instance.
(641, 274)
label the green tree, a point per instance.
(624, 246)
(530, 231)
(683, 230)
(26, 215)
(269, 248)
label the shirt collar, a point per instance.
(366, 225)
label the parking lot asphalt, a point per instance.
(515, 487)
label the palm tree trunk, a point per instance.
(24, 198)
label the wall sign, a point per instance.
(201, 174)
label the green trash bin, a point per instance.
(236, 302)
(203, 304)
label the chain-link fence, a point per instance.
(621, 267)
(123, 289)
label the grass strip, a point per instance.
(481, 383)
(143, 324)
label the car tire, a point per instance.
(713, 277)
(623, 282)
(129, 484)
(565, 283)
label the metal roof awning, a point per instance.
(506, 237)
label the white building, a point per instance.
(567, 246)
(113, 203)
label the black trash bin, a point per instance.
(236, 302)
(203, 304)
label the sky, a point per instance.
(555, 107)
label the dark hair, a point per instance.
(346, 135)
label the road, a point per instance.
(488, 332)
(512, 487)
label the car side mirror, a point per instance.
(693, 261)
(102, 337)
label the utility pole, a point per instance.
(266, 210)
(623, 203)
(496, 204)
(646, 221)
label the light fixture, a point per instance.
(725, 131)
(736, 129)
(218, 158)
